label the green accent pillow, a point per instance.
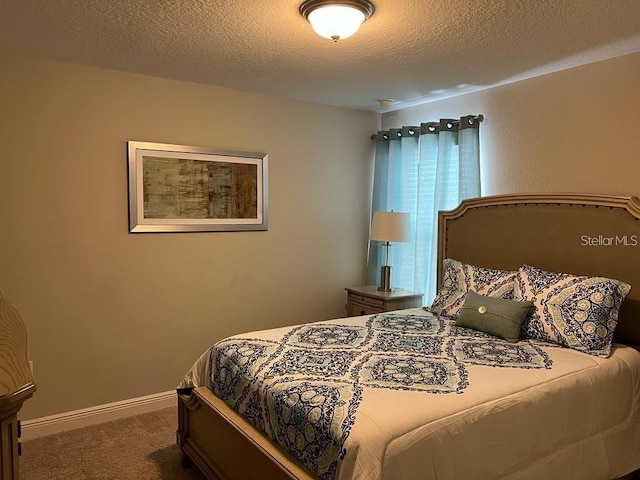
(495, 316)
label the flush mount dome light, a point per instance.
(336, 19)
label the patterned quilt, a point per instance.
(304, 387)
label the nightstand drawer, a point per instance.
(361, 308)
(368, 300)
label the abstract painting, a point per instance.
(176, 188)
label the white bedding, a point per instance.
(547, 413)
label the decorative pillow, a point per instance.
(458, 278)
(495, 316)
(578, 312)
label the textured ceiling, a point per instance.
(409, 51)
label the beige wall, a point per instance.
(570, 131)
(113, 315)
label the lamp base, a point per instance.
(385, 279)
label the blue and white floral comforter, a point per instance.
(410, 395)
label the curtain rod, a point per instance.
(469, 121)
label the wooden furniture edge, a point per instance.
(235, 425)
(371, 290)
(16, 386)
(17, 397)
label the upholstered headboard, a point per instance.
(595, 235)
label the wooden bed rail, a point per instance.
(206, 424)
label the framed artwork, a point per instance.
(177, 188)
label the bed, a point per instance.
(417, 395)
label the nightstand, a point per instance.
(368, 300)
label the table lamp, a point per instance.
(389, 227)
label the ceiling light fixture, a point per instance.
(336, 19)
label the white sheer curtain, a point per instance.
(422, 170)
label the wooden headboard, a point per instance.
(581, 234)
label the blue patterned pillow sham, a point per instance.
(578, 312)
(458, 278)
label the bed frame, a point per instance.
(575, 233)
(595, 235)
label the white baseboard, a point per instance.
(63, 422)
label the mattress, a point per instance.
(407, 395)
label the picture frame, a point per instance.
(179, 188)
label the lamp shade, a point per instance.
(390, 227)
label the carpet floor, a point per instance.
(142, 447)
